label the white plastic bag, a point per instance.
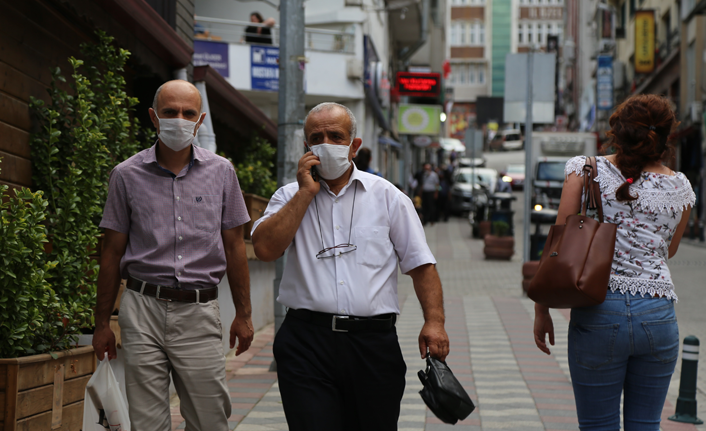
(104, 407)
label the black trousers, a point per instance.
(333, 381)
(428, 207)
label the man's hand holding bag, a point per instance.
(575, 266)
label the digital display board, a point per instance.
(418, 84)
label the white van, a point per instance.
(512, 140)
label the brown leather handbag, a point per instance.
(575, 266)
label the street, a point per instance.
(489, 321)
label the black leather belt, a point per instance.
(339, 323)
(165, 293)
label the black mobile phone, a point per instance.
(312, 171)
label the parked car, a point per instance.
(467, 162)
(515, 175)
(471, 188)
(512, 140)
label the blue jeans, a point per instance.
(629, 345)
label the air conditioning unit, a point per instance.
(354, 68)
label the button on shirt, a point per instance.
(174, 223)
(386, 228)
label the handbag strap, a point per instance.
(591, 188)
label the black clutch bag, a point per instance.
(443, 393)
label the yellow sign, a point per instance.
(644, 41)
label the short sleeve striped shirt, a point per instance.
(174, 223)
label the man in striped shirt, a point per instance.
(173, 225)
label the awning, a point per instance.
(451, 144)
(244, 112)
(384, 140)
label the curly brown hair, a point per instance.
(640, 129)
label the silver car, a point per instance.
(471, 188)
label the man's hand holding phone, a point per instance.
(306, 173)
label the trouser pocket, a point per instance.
(593, 344)
(664, 339)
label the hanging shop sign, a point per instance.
(264, 68)
(604, 82)
(419, 119)
(418, 84)
(214, 54)
(644, 41)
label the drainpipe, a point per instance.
(181, 74)
(406, 53)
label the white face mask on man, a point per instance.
(176, 133)
(333, 158)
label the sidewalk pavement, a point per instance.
(489, 322)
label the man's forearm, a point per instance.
(274, 235)
(427, 286)
(239, 280)
(108, 287)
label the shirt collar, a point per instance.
(196, 154)
(356, 175)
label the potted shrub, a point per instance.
(255, 177)
(498, 245)
(48, 274)
(41, 389)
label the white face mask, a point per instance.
(333, 158)
(176, 133)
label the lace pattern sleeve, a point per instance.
(575, 165)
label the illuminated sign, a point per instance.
(644, 41)
(418, 84)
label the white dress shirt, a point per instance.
(386, 228)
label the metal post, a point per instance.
(529, 185)
(686, 403)
(291, 113)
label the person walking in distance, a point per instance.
(173, 225)
(430, 192)
(339, 363)
(629, 344)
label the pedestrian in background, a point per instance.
(430, 192)
(629, 344)
(444, 198)
(362, 161)
(259, 34)
(339, 363)
(173, 225)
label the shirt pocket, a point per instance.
(206, 212)
(374, 245)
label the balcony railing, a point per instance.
(316, 39)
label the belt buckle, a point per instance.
(161, 299)
(333, 324)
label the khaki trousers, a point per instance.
(183, 339)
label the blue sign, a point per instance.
(214, 54)
(264, 68)
(604, 82)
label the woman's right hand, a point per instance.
(543, 325)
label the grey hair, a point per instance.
(330, 105)
(159, 90)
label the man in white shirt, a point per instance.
(339, 363)
(430, 192)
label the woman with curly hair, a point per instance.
(629, 344)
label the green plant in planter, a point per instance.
(31, 316)
(83, 134)
(255, 170)
(500, 228)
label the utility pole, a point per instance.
(529, 185)
(291, 113)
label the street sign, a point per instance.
(543, 88)
(604, 82)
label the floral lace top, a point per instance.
(645, 226)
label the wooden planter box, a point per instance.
(256, 206)
(497, 247)
(38, 393)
